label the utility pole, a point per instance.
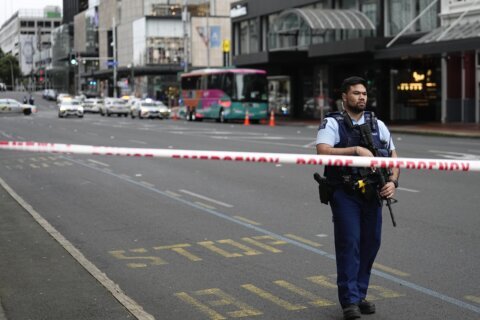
(185, 36)
(207, 33)
(79, 84)
(114, 44)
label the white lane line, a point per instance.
(310, 145)
(131, 305)
(408, 190)
(206, 198)
(137, 141)
(148, 184)
(98, 162)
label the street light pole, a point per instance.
(185, 36)
(114, 40)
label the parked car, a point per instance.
(70, 107)
(14, 106)
(164, 110)
(115, 106)
(92, 105)
(50, 94)
(146, 109)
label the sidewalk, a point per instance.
(39, 279)
(469, 130)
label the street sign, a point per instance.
(226, 45)
(112, 63)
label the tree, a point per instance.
(8, 65)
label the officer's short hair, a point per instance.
(351, 81)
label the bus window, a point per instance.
(214, 81)
(191, 83)
(228, 85)
(251, 87)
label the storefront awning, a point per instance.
(331, 19)
(457, 32)
(462, 37)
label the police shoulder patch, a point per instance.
(323, 124)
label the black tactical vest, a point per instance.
(350, 137)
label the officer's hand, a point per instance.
(363, 152)
(388, 190)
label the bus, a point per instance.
(225, 94)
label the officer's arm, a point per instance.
(326, 149)
(388, 190)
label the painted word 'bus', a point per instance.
(225, 94)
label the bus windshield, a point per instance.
(250, 87)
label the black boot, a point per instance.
(351, 311)
(366, 307)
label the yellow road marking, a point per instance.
(300, 239)
(173, 194)
(390, 270)
(34, 166)
(248, 220)
(179, 248)
(212, 314)
(268, 247)
(246, 249)
(322, 281)
(226, 299)
(270, 297)
(145, 183)
(120, 254)
(45, 165)
(473, 299)
(383, 292)
(244, 310)
(314, 299)
(204, 205)
(210, 245)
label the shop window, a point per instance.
(253, 35)
(163, 50)
(244, 37)
(400, 13)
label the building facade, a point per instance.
(144, 44)
(26, 34)
(308, 49)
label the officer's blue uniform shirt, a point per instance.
(328, 132)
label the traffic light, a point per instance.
(73, 59)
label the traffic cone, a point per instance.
(175, 115)
(271, 123)
(247, 119)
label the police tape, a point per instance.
(248, 157)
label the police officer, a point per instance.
(357, 216)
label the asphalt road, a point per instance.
(189, 239)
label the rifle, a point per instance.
(381, 173)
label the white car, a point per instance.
(164, 110)
(70, 107)
(92, 105)
(13, 106)
(115, 106)
(62, 96)
(146, 109)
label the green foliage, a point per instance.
(8, 63)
